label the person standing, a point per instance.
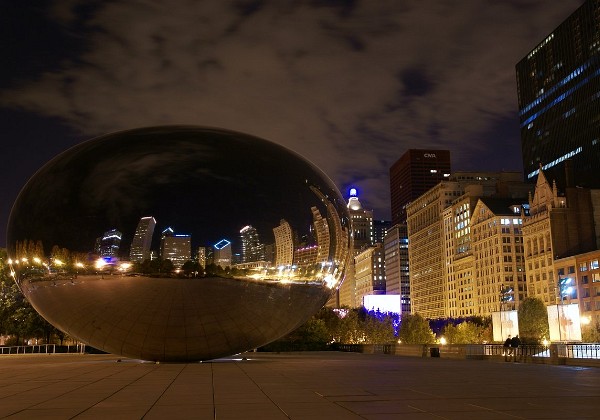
(507, 349)
(515, 343)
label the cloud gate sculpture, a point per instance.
(178, 243)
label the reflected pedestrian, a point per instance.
(507, 349)
(515, 343)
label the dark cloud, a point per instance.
(348, 84)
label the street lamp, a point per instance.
(506, 295)
(565, 288)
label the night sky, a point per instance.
(350, 85)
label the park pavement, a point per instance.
(311, 385)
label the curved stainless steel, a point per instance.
(178, 243)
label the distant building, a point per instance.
(380, 228)
(321, 230)
(306, 256)
(252, 249)
(361, 222)
(558, 87)
(413, 174)
(397, 281)
(222, 253)
(442, 270)
(284, 244)
(202, 256)
(142, 240)
(369, 275)
(558, 226)
(580, 275)
(110, 243)
(176, 247)
(498, 254)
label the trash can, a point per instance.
(434, 351)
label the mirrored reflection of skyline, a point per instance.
(193, 202)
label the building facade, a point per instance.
(361, 222)
(252, 249)
(142, 240)
(222, 255)
(557, 226)
(497, 243)
(558, 87)
(284, 244)
(441, 261)
(369, 272)
(581, 276)
(177, 248)
(413, 174)
(397, 281)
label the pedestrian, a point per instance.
(515, 343)
(507, 349)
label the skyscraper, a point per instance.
(558, 87)
(176, 247)
(361, 221)
(397, 282)
(380, 228)
(110, 243)
(142, 240)
(252, 249)
(413, 174)
(284, 244)
(222, 253)
(321, 228)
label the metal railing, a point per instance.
(79, 348)
(37, 348)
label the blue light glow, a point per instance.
(222, 244)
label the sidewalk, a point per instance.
(321, 385)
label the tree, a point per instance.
(17, 316)
(379, 328)
(533, 321)
(466, 333)
(591, 333)
(414, 329)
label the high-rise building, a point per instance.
(321, 229)
(361, 222)
(284, 244)
(498, 251)
(380, 228)
(142, 240)
(252, 249)
(397, 282)
(558, 226)
(202, 256)
(222, 253)
(439, 240)
(176, 247)
(558, 87)
(413, 174)
(369, 275)
(110, 243)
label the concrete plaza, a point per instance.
(322, 385)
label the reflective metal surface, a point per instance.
(178, 243)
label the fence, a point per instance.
(43, 349)
(553, 353)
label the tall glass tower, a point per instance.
(558, 86)
(252, 249)
(142, 240)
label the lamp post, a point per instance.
(565, 288)
(505, 297)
